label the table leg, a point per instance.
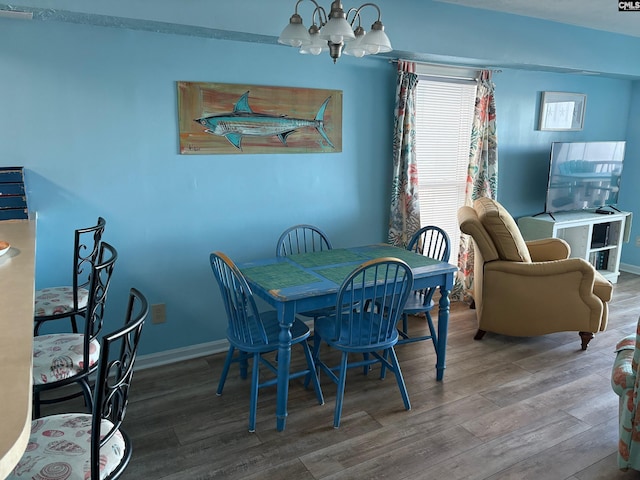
(286, 316)
(443, 327)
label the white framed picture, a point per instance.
(562, 111)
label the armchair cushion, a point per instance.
(547, 249)
(503, 230)
(470, 224)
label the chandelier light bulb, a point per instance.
(317, 45)
(355, 47)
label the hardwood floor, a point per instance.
(508, 408)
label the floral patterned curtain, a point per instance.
(405, 208)
(482, 174)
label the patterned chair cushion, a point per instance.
(59, 448)
(59, 356)
(58, 300)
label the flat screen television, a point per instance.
(584, 175)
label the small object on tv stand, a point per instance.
(605, 211)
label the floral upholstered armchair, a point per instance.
(625, 380)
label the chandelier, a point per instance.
(335, 33)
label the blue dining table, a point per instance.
(309, 281)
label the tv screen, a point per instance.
(584, 175)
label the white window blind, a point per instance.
(444, 114)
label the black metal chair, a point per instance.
(70, 301)
(432, 242)
(61, 359)
(68, 445)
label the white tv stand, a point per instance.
(595, 237)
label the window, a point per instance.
(444, 115)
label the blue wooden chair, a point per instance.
(432, 242)
(369, 304)
(91, 445)
(302, 238)
(252, 333)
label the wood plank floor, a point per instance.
(508, 408)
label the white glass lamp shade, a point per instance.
(337, 30)
(355, 47)
(295, 34)
(376, 41)
(317, 45)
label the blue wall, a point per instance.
(524, 151)
(629, 196)
(91, 114)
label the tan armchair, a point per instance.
(530, 288)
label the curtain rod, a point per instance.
(442, 65)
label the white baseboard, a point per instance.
(180, 354)
(625, 267)
(187, 353)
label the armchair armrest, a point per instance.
(623, 376)
(548, 249)
(548, 268)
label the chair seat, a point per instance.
(320, 312)
(325, 327)
(59, 448)
(58, 301)
(415, 304)
(299, 333)
(59, 356)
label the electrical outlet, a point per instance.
(158, 313)
(638, 241)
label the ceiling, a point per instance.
(596, 14)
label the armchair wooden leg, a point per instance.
(479, 334)
(586, 338)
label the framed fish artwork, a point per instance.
(223, 118)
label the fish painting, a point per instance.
(243, 121)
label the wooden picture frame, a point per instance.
(222, 118)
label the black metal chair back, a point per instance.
(100, 280)
(86, 247)
(111, 394)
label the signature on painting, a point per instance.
(245, 122)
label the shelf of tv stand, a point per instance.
(595, 237)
